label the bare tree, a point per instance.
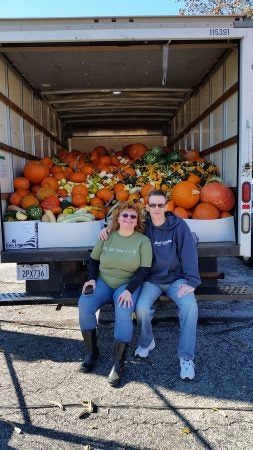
(217, 7)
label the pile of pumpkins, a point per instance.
(212, 201)
(62, 184)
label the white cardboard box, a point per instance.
(21, 234)
(64, 234)
(217, 230)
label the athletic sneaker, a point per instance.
(187, 369)
(144, 352)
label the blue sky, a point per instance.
(86, 8)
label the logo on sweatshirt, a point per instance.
(162, 243)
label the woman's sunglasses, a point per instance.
(126, 215)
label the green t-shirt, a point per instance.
(121, 256)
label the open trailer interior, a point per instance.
(180, 82)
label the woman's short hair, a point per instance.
(134, 206)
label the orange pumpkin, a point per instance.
(218, 195)
(95, 201)
(28, 201)
(185, 194)
(56, 169)
(47, 160)
(100, 150)
(22, 192)
(105, 194)
(118, 187)
(115, 161)
(77, 177)
(122, 196)
(104, 160)
(206, 211)
(136, 151)
(15, 199)
(52, 203)
(87, 169)
(128, 171)
(35, 171)
(50, 182)
(195, 179)
(190, 155)
(181, 212)
(170, 206)
(99, 214)
(225, 214)
(60, 176)
(79, 200)
(80, 189)
(146, 189)
(21, 183)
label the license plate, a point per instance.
(32, 271)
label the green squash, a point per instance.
(34, 212)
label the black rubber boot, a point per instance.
(118, 366)
(90, 339)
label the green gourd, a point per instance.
(34, 212)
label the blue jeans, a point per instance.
(89, 304)
(188, 315)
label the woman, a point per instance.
(117, 268)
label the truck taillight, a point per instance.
(246, 192)
(245, 223)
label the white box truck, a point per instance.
(76, 83)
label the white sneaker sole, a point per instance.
(150, 348)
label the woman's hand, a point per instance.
(125, 299)
(103, 235)
(184, 289)
(89, 283)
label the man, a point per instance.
(174, 272)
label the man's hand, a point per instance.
(103, 235)
(125, 299)
(89, 283)
(184, 289)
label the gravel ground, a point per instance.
(40, 354)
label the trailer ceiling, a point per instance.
(116, 84)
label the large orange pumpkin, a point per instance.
(185, 194)
(206, 211)
(218, 195)
(35, 171)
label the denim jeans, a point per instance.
(187, 309)
(89, 304)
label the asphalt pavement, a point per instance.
(44, 399)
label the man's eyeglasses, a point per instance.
(132, 216)
(154, 205)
